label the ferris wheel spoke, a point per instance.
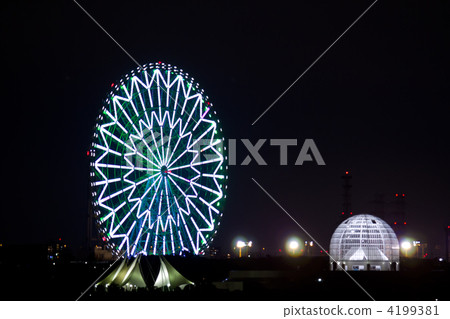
(196, 164)
(139, 235)
(128, 237)
(102, 200)
(200, 213)
(153, 154)
(113, 232)
(118, 140)
(199, 232)
(167, 197)
(201, 118)
(137, 83)
(179, 177)
(181, 241)
(168, 146)
(168, 89)
(148, 160)
(130, 95)
(162, 143)
(178, 80)
(107, 150)
(175, 160)
(186, 94)
(211, 146)
(181, 137)
(189, 234)
(179, 188)
(207, 189)
(190, 116)
(201, 136)
(146, 243)
(210, 205)
(156, 147)
(117, 103)
(214, 176)
(113, 212)
(153, 198)
(171, 237)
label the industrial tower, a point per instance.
(398, 214)
(346, 195)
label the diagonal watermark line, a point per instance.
(314, 62)
(123, 49)
(106, 32)
(98, 278)
(306, 232)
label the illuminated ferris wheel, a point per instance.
(157, 165)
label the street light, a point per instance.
(406, 245)
(293, 244)
(240, 244)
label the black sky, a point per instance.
(376, 104)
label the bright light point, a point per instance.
(441, 259)
(293, 244)
(319, 279)
(250, 243)
(240, 244)
(406, 245)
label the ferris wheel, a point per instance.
(157, 165)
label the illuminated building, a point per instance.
(214, 252)
(101, 253)
(364, 242)
(56, 250)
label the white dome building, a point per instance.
(364, 242)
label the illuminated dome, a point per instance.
(364, 242)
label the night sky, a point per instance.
(376, 104)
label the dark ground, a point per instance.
(34, 278)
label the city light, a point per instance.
(406, 245)
(293, 246)
(240, 244)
